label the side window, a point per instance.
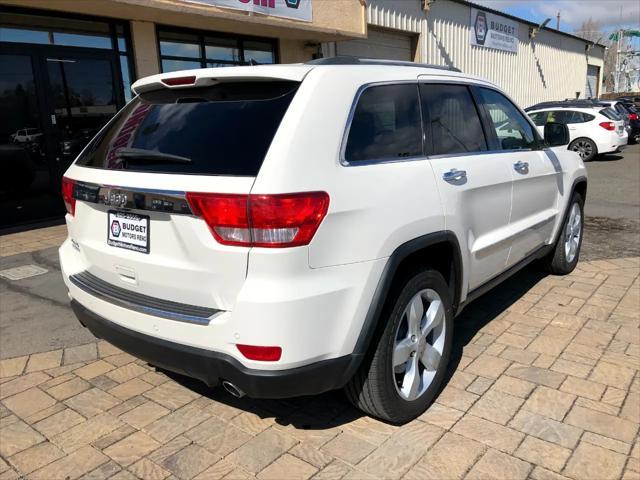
(386, 124)
(587, 117)
(513, 131)
(574, 117)
(451, 119)
(560, 116)
(539, 118)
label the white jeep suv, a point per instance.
(287, 230)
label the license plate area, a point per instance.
(128, 230)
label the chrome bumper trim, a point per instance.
(138, 302)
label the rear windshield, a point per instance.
(225, 129)
(610, 113)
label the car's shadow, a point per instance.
(332, 409)
(607, 157)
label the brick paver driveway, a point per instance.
(544, 384)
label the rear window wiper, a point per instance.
(139, 154)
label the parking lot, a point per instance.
(544, 383)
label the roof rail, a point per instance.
(349, 60)
(579, 103)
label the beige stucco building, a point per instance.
(296, 40)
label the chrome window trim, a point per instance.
(480, 152)
(141, 303)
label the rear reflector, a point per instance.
(68, 186)
(608, 125)
(271, 221)
(175, 81)
(263, 354)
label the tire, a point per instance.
(584, 147)
(564, 256)
(384, 391)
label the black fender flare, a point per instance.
(373, 317)
(574, 185)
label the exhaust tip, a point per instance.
(232, 389)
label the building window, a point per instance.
(51, 29)
(183, 50)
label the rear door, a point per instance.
(474, 184)
(133, 226)
(536, 173)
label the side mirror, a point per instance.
(556, 134)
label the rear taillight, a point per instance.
(633, 116)
(608, 125)
(68, 186)
(285, 220)
(226, 215)
(263, 354)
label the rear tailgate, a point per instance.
(133, 225)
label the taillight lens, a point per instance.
(286, 220)
(226, 216)
(271, 221)
(68, 186)
(263, 354)
(633, 116)
(608, 125)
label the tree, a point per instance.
(591, 30)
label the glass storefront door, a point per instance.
(82, 99)
(51, 104)
(62, 77)
(25, 174)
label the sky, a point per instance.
(611, 14)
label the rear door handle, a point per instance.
(521, 167)
(454, 176)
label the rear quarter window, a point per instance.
(386, 124)
(225, 129)
(611, 114)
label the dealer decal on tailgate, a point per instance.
(128, 230)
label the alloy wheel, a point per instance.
(584, 148)
(573, 232)
(419, 343)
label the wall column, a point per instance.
(145, 48)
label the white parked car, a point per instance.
(592, 130)
(287, 230)
(26, 135)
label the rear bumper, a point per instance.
(213, 367)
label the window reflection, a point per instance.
(258, 56)
(40, 29)
(176, 49)
(80, 40)
(126, 77)
(174, 65)
(23, 35)
(222, 49)
(184, 50)
(260, 52)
